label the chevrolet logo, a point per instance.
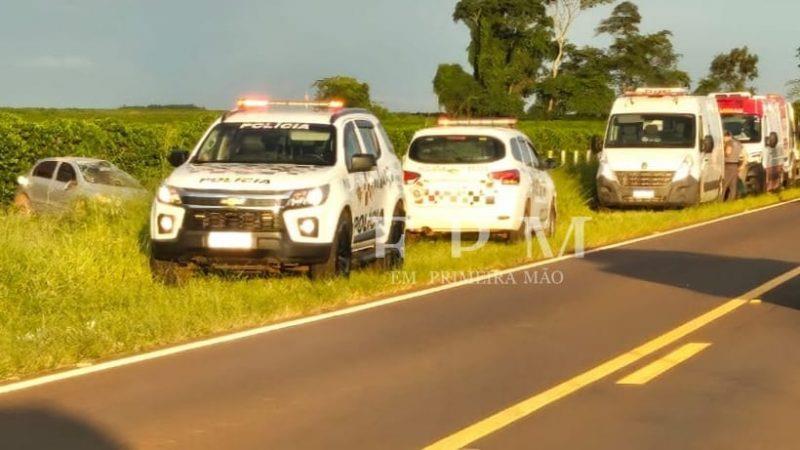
(232, 201)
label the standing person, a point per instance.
(733, 161)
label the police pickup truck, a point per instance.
(281, 185)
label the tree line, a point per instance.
(520, 54)
(523, 64)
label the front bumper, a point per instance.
(270, 249)
(685, 192)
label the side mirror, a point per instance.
(597, 144)
(772, 140)
(70, 185)
(550, 163)
(177, 157)
(708, 144)
(363, 163)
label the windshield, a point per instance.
(744, 128)
(269, 143)
(106, 174)
(457, 150)
(651, 131)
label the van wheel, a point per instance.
(393, 259)
(171, 273)
(22, 204)
(755, 183)
(340, 259)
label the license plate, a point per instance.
(644, 195)
(230, 241)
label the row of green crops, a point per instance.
(139, 140)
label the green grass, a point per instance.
(76, 288)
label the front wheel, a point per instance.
(340, 259)
(22, 203)
(393, 258)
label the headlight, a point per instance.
(304, 198)
(684, 170)
(169, 195)
(605, 169)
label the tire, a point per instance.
(755, 183)
(393, 259)
(171, 273)
(552, 222)
(340, 259)
(516, 236)
(22, 204)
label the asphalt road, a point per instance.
(411, 374)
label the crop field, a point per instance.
(76, 288)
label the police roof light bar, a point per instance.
(256, 103)
(501, 122)
(658, 92)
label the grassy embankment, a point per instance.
(76, 289)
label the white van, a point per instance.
(663, 147)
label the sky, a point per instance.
(102, 53)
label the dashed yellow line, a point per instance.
(651, 371)
(506, 417)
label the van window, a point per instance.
(45, 169)
(745, 128)
(652, 131)
(386, 139)
(457, 150)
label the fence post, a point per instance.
(564, 157)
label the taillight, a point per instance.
(506, 176)
(410, 177)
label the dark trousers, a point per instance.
(731, 186)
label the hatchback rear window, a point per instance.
(457, 150)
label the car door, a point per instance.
(41, 180)
(376, 213)
(359, 184)
(539, 188)
(528, 176)
(64, 187)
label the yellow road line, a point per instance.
(516, 412)
(651, 371)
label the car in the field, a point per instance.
(281, 185)
(478, 175)
(54, 184)
(663, 148)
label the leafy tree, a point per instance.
(583, 88)
(353, 92)
(563, 14)
(730, 72)
(640, 59)
(457, 90)
(509, 41)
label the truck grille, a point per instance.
(233, 220)
(645, 179)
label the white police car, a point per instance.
(477, 176)
(281, 185)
